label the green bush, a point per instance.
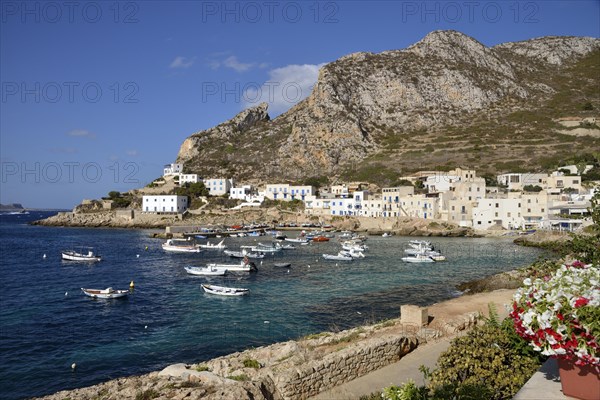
(248, 363)
(488, 358)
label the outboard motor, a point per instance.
(253, 267)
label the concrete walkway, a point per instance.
(394, 374)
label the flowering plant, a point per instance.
(560, 315)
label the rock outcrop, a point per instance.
(392, 110)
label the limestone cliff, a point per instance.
(446, 100)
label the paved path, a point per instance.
(393, 374)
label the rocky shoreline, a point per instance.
(372, 226)
(297, 369)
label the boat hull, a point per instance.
(105, 293)
(80, 257)
(224, 291)
(199, 271)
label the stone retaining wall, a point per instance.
(342, 366)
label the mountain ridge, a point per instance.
(378, 111)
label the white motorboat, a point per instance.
(243, 266)
(108, 293)
(72, 255)
(418, 258)
(224, 291)
(264, 248)
(337, 257)
(419, 243)
(350, 246)
(296, 240)
(210, 246)
(352, 253)
(205, 271)
(180, 246)
(386, 234)
(243, 253)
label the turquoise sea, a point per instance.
(46, 323)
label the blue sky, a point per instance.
(99, 95)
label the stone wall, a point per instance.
(342, 366)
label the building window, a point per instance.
(497, 205)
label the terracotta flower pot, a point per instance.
(581, 382)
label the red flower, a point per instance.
(580, 302)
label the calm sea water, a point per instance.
(46, 323)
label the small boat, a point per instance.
(337, 257)
(320, 239)
(210, 246)
(72, 255)
(205, 271)
(282, 265)
(418, 258)
(180, 246)
(385, 234)
(108, 293)
(224, 291)
(243, 266)
(349, 246)
(419, 243)
(242, 254)
(264, 248)
(352, 253)
(296, 240)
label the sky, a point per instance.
(99, 95)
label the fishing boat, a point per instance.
(224, 291)
(108, 293)
(337, 257)
(210, 246)
(72, 255)
(243, 266)
(205, 271)
(320, 238)
(418, 258)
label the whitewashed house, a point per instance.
(420, 206)
(286, 192)
(505, 213)
(391, 205)
(518, 181)
(188, 178)
(164, 204)
(240, 193)
(173, 169)
(218, 186)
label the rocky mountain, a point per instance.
(11, 207)
(446, 101)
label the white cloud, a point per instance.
(285, 87)
(217, 61)
(81, 133)
(233, 63)
(182, 62)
